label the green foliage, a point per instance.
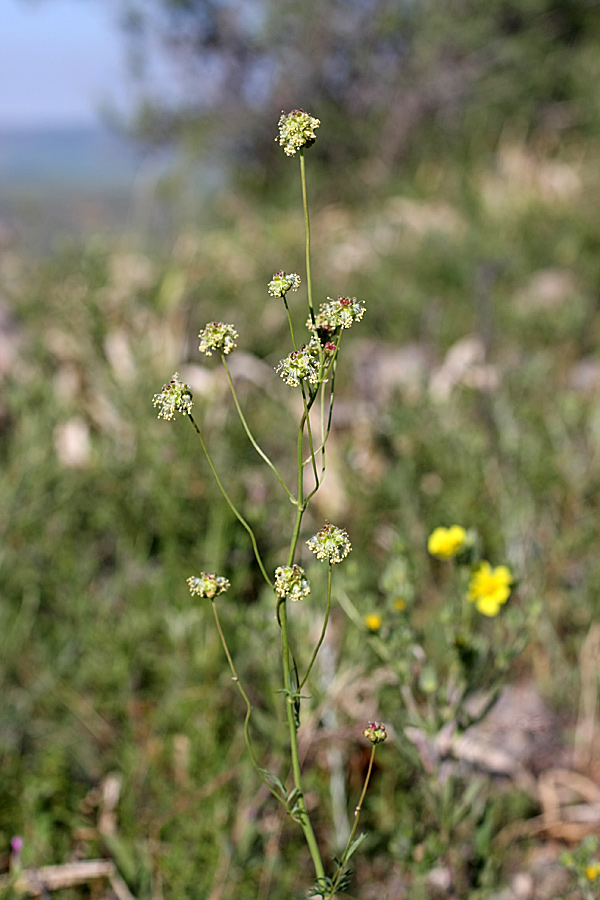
(392, 81)
(107, 665)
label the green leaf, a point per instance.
(354, 846)
(275, 781)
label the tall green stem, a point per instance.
(290, 694)
(307, 233)
(303, 813)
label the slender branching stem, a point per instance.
(306, 419)
(291, 694)
(232, 505)
(289, 318)
(307, 233)
(354, 826)
(248, 708)
(323, 630)
(331, 369)
(249, 434)
(303, 813)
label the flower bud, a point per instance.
(375, 732)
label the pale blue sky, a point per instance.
(60, 61)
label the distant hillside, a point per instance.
(79, 181)
(75, 157)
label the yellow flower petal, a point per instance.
(373, 621)
(487, 606)
(592, 871)
(444, 543)
(490, 588)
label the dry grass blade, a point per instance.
(37, 882)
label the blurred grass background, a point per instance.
(470, 394)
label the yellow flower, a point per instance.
(400, 604)
(592, 871)
(373, 621)
(444, 543)
(490, 588)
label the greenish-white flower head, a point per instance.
(331, 544)
(340, 313)
(291, 583)
(281, 283)
(306, 364)
(300, 365)
(207, 584)
(175, 397)
(217, 336)
(296, 130)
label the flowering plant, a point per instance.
(449, 669)
(310, 368)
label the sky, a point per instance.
(61, 61)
